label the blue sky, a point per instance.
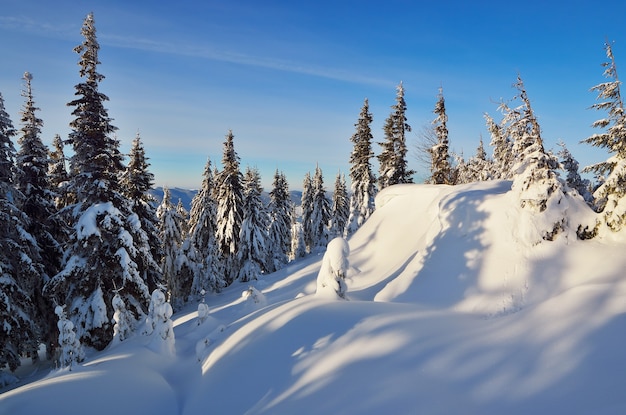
(289, 77)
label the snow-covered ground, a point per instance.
(453, 308)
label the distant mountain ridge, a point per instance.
(186, 196)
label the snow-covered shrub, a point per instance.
(254, 297)
(331, 278)
(71, 351)
(159, 324)
(123, 320)
(203, 310)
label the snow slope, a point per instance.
(454, 307)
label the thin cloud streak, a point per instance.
(209, 53)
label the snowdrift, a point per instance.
(453, 307)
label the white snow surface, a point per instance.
(453, 308)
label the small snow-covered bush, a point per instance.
(159, 324)
(331, 277)
(71, 351)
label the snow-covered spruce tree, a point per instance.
(58, 175)
(320, 213)
(306, 204)
(253, 237)
(102, 252)
(298, 247)
(502, 150)
(340, 208)
(229, 209)
(71, 350)
(610, 196)
(440, 168)
(392, 159)
(37, 204)
(171, 235)
(280, 210)
(19, 259)
(202, 244)
(363, 183)
(573, 179)
(136, 182)
(536, 180)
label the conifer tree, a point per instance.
(535, 171)
(340, 208)
(393, 162)
(320, 213)
(253, 237)
(363, 183)
(502, 150)
(573, 179)
(102, 251)
(58, 175)
(19, 332)
(610, 196)
(37, 204)
(306, 204)
(441, 171)
(203, 246)
(136, 182)
(478, 168)
(280, 211)
(171, 235)
(298, 247)
(229, 208)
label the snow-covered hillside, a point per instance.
(454, 308)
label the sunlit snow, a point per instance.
(452, 307)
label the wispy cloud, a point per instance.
(28, 25)
(211, 53)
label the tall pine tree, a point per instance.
(306, 204)
(253, 237)
(441, 171)
(204, 253)
(19, 332)
(392, 159)
(102, 253)
(363, 183)
(610, 196)
(320, 214)
(280, 211)
(229, 209)
(340, 208)
(38, 206)
(136, 182)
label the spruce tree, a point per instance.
(203, 247)
(610, 196)
(102, 252)
(58, 175)
(136, 182)
(502, 150)
(280, 211)
(253, 237)
(363, 183)
(38, 206)
(229, 208)
(393, 162)
(340, 208)
(171, 235)
(19, 275)
(320, 213)
(306, 204)
(536, 179)
(573, 179)
(441, 171)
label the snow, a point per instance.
(453, 308)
